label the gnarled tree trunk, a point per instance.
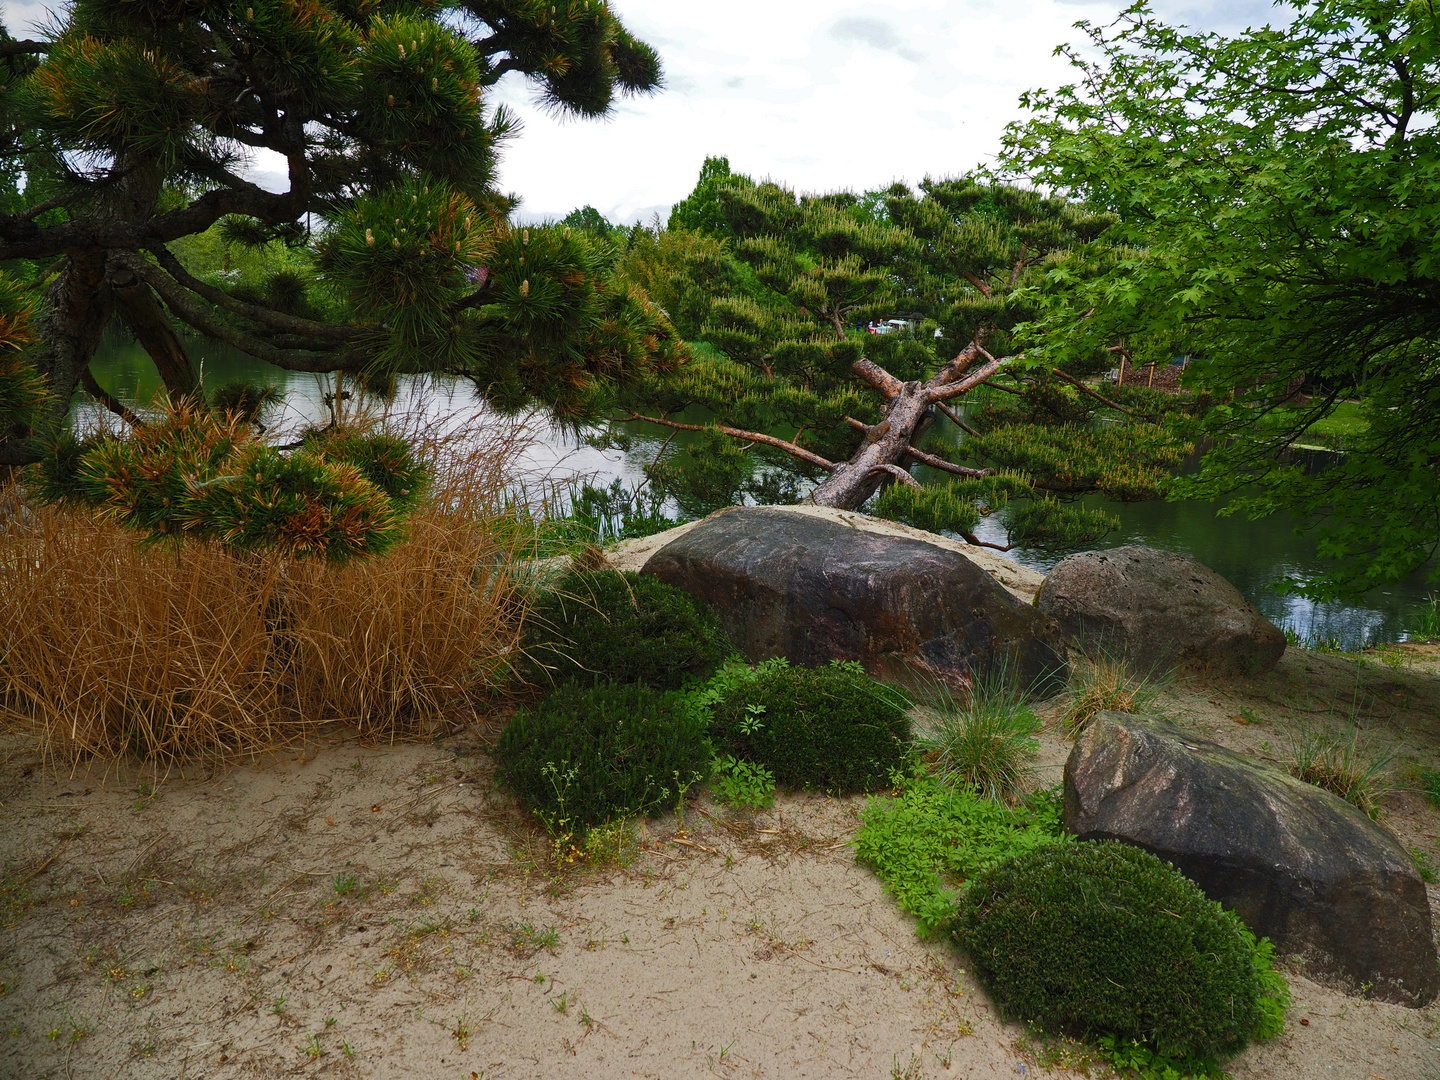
(889, 445)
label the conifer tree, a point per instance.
(966, 262)
(127, 128)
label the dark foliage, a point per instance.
(625, 627)
(1105, 938)
(832, 728)
(590, 754)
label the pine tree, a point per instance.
(967, 262)
(129, 125)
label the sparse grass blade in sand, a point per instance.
(1103, 683)
(114, 649)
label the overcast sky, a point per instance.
(818, 94)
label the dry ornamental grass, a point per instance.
(113, 648)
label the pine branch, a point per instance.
(737, 433)
(899, 474)
(955, 418)
(944, 392)
(1093, 393)
(20, 48)
(279, 320)
(184, 306)
(872, 373)
(100, 394)
(940, 463)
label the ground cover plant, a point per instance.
(1104, 938)
(831, 728)
(928, 838)
(596, 753)
(622, 627)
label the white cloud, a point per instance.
(816, 94)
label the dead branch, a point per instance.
(737, 433)
(940, 463)
(899, 474)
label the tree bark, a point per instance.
(890, 442)
(78, 307)
(137, 305)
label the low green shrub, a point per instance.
(832, 728)
(591, 754)
(929, 837)
(622, 627)
(1104, 938)
(742, 784)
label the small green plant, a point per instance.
(1110, 916)
(279, 1006)
(832, 728)
(528, 936)
(1422, 866)
(346, 884)
(562, 1003)
(1430, 785)
(1249, 715)
(461, 1034)
(928, 838)
(347, 1050)
(313, 1049)
(1424, 625)
(622, 627)
(1109, 684)
(1345, 762)
(592, 755)
(743, 785)
(984, 740)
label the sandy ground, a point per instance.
(377, 912)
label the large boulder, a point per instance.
(1160, 610)
(815, 590)
(1332, 889)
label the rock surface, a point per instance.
(1332, 889)
(1161, 610)
(815, 589)
(1020, 581)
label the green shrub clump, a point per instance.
(1091, 938)
(591, 754)
(623, 627)
(832, 728)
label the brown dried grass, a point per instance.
(112, 649)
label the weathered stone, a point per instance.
(1160, 610)
(1331, 888)
(816, 590)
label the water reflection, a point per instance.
(1252, 554)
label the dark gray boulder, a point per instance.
(1332, 889)
(1160, 610)
(816, 590)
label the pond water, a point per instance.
(1254, 555)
